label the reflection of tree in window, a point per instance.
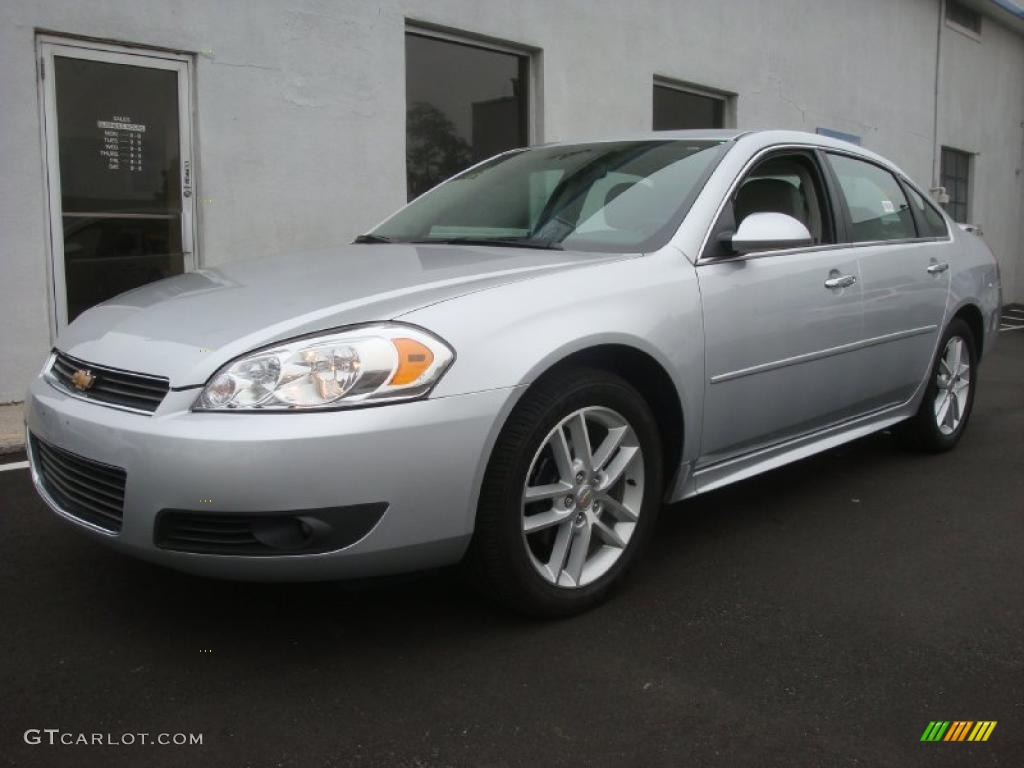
(497, 124)
(464, 103)
(434, 151)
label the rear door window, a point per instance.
(878, 208)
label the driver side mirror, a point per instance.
(767, 232)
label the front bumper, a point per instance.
(423, 459)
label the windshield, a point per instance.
(624, 196)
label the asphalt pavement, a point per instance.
(819, 615)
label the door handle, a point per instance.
(843, 281)
(938, 269)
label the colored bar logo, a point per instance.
(958, 730)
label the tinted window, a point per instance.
(675, 110)
(622, 196)
(463, 104)
(878, 208)
(931, 221)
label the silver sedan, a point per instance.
(518, 368)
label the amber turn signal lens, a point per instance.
(413, 359)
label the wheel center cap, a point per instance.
(585, 497)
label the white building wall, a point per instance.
(981, 110)
(300, 107)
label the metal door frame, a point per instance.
(47, 46)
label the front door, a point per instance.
(779, 327)
(777, 352)
(119, 167)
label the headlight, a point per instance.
(368, 364)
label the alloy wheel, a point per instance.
(582, 496)
(953, 384)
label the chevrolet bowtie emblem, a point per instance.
(82, 379)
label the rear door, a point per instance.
(779, 341)
(902, 250)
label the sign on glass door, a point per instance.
(118, 160)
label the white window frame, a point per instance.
(47, 46)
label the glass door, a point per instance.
(119, 166)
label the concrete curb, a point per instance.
(12, 428)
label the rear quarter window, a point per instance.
(931, 221)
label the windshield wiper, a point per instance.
(544, 245)
(372, 238)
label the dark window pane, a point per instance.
(118, 138)
(675, 110)
(105, 256)
(463, 104)
(960, 14)
(954, 175)
(117, 128)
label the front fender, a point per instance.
(510, 335)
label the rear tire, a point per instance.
(949, 396)
(570, 494)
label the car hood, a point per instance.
(186, 327)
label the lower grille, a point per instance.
(206, 533)
(83, 488)
(266, 533)
(125, 389)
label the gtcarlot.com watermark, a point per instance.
(57, 737)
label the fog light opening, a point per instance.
(287, 533)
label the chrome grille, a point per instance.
(124, 389)
(83, 488)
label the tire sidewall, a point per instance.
(600, 390)
(926, 415)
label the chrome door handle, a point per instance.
(843, 281)
(938, 269)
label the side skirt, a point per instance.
(723, 473)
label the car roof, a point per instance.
(765, 138)
(753, 140)
(710, 134)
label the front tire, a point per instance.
(946, 408)
(570, 494)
